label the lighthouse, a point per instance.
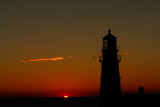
(110, 87)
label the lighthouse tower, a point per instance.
(110, 88)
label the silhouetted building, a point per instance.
(141, 91)
(110, 89)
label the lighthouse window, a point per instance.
(105, 44)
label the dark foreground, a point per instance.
(127, 101)
(50, 102)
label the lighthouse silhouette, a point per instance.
(110, 88)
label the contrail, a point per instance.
(43, 59)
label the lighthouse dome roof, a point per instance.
(109, 35)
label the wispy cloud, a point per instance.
(126, 53)
(69, 56)
(43, 59)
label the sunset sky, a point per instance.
(34, 33)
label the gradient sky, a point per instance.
(73, 29)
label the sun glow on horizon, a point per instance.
(65, 96)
